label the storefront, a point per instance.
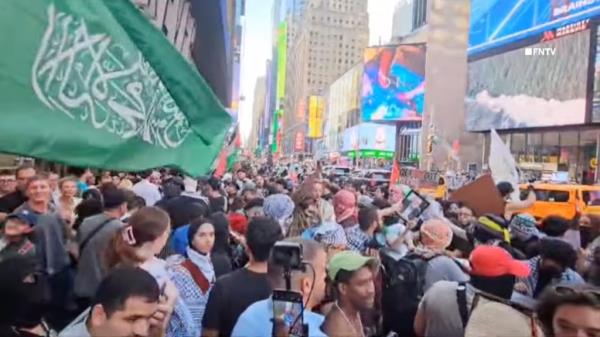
(572, 150)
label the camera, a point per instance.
(288, 255)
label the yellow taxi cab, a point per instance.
(563, 199)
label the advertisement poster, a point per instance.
(497, 23)
(394, 83)
(517, 89)
(316, 107)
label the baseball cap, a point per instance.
(24, 216)
(348, 261)
(493, 261)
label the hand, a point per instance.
(159, 318)
(372, 253)
(170, 294)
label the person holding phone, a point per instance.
(283, 310)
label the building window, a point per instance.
(419, 13)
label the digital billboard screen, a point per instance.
(496, 23)
(393, 86)
(370, 136)
(539, 85)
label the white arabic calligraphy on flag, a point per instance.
(110, 86)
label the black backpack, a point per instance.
(403, 288)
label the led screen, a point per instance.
(539, 85)
(394, 83)
(496, 23)
(370, 136)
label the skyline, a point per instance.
(256, 47)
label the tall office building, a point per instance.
(258, 109)
(325, 39)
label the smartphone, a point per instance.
(288, 308)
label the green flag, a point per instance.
(93, 83)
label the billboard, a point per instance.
(281, 60)
(596, 94)
(496, 23)
(393, 86)
(544, 84)
(316, 107)
(370, 136)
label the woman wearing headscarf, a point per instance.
(306, 210)
(435, 237)
(345, 208)
(280, 207)
(193, 277)
(524, 234)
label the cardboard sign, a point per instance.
(481, 196)
(418, 179)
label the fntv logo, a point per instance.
(546, 51)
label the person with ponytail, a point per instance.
(193, 277)
(138, 243)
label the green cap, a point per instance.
(348, 261)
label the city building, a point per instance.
(534, 76)
(208, 33)
(342, 106)
(443, 26)
(327, 38)
(258, 112)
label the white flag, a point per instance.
(502, 164)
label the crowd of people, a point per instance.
(156, 253)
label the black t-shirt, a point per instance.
(11, 201)
(222, 263)
(231, 295)
(217, 204)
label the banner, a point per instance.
(281, 61)
(502, 164)
(94, 84)
(316, 106)
(299, 142)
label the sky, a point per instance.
(256, 46)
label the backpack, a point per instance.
(403, 288)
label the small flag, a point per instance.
(395, 175)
